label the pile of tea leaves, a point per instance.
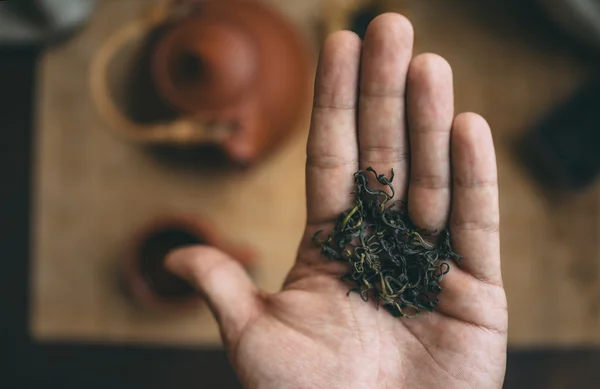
(390, 259)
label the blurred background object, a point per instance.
(337, 13)
(234, 75)
(236, 62)
(560, 150)
(144, 275)
(581, 18)
(26, 22)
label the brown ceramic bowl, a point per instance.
(148, 282)
(240, 63)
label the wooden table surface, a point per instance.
(503, 69)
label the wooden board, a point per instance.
(93, 190)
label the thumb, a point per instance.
(231, 295)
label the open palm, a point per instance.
(375, 106)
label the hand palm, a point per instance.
(311, 334)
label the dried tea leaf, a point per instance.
(390, 259)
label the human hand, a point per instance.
(311, 334)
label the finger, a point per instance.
(229, 291)
(332, 151)
(474, 221)
(430, 109)
(382, 135)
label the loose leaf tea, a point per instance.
(389, 257)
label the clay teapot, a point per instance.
(237, 64)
